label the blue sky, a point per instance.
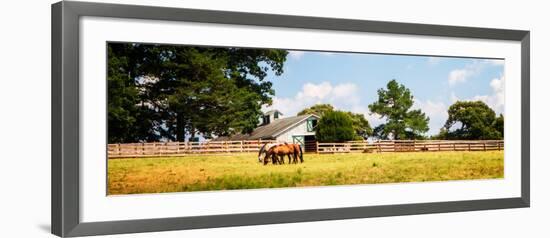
(349, 81)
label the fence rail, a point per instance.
(409, 146)
(183, 148)
(155, 149)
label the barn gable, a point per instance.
(278, 127)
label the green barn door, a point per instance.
(298, 140)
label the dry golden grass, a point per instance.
(242, 171)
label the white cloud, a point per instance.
(295, 54)
(497, 84)
(346, 92)
(316, 91)
(495, 100)
(459, 76)
(463, 74)
(344, 96)
(436, 111)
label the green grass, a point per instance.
(242, 171)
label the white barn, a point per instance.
(296, 129)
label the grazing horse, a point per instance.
(278, 152)
(264, 149)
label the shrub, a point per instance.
(335, 126)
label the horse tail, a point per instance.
(301, 153)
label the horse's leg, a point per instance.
(289, 159)
(274, 159)
(266, 158)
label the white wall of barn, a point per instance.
(299, 130)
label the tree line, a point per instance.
(168, 92)
(468, 120)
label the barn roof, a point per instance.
(277, 127)
(269, 131)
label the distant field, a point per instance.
(242, 171)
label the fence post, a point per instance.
(439, 146)
(454, 146)
(317, 147)
(498, 145)
(484, 146)
(469, 149)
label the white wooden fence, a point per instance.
(154, 149)
(410, 146)
(157, 149)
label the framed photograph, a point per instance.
(169, 119)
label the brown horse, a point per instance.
(298, 153)
(278, 152)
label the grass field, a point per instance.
(242, 171)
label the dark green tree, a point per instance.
(499, 125)
(175, 91)
(335, 126)
(442, 135)
(360, 124)
(473, 120)
(317, 109)
(394, 104)
(129, 119)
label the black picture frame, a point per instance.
(65, 118)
